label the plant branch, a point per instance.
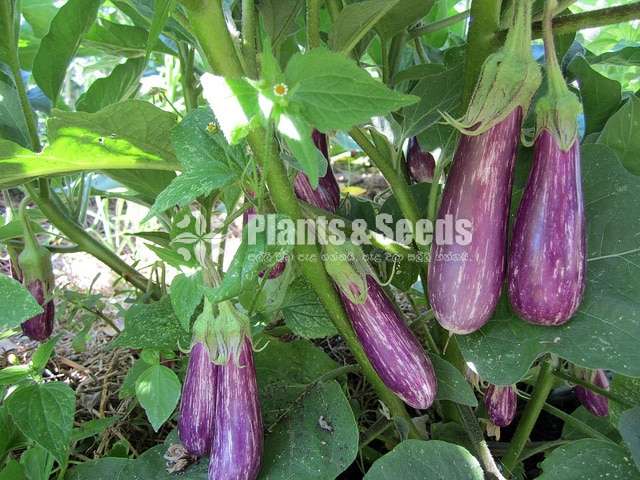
(591, 19)
(207, 21)
(529, 417)
(313, 23)
(575, 423)
(86, 242)
(439, 25)
(249, 37)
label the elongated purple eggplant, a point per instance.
(594, 402)
(466, 275)
(547, 262)
(40, 327)
(236, 452)
(501, 403)
(394, 352)
(327, 195)
(421, 164)
(465, 279)
(197, 405)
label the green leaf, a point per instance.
(128, 388)
(403, 14)
(627, 56)
(355, 21)
(451, 384)
(108, 468)
(158, 391)
(17, 303)
(600, 424)
(297, 133)
(279, 18)
(186, 295)
(161, 12)
(60, 44)
(588, 459)
(13, 471)
(317, 440)
(43, 353)
(127, 135)
(304, 314)
(121, 40)
(208, 160)
(44, 413)
(630, 430)
(281, 383)
(10, 437)
(38, 14)
(152, 465)
(120, 85)
(417, 460)
(14, 374)
(152, 325)
(440, 91)
(234, 102)
(601, 96)
(626, 388)
(92, 428)
(622, 134)
(503, 350)
(13, 125)
(335, 93)
(37, 463)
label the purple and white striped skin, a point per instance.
(547, 261)
(327, 195)
(594, 402)
(421, 164)
(465, 280)
(394, 352)
(236, 452)
(39, 327)
(197, 404)
(501, 403)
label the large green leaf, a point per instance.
(158, 391)
(600, 424)
(279, 18)
(13, 125)
(605, 331)
(418, 460)
(39, 13)
(17, 303)
(586, 459)
(161, 12)
(336, 94)
(152, 325)
(282, 382)
(402, 15)
(60, 44)
(152, 465)
(627, 56)
(451, 384)
(127, 135)
(317, 440)
(622, 134)
(120, 85)
(304, 314)
(355, 21)
(626, 388)
(121, 40)
(630, 430)
(108, 468)
(601, 96)
(44, 413)
(186, 295)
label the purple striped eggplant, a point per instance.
(547, 262)
(501, 403)
(594, 402)
(236, 451)
(394, 352)
(421, 164)
(327, 195)
(465, 280)
(197, 404)
(34, 264)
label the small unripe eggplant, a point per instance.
(197, 404)
(236, 452)
(465, 279)
(40, 327)
(501, 403)
(594, 402)
(548, 260)
(394, 352)
(327, 195)
(421, 164)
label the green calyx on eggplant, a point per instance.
(547, 259)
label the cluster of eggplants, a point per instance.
(594, 402)
(421, 164)
(501, 402)
(465, 280)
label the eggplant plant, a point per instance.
(255, 240)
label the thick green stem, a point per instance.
(249, 37)
(313, 23)
(334, 7)
(86, 242)
(482, 41)
(529, 416)
(556, 81)
(219, 51)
